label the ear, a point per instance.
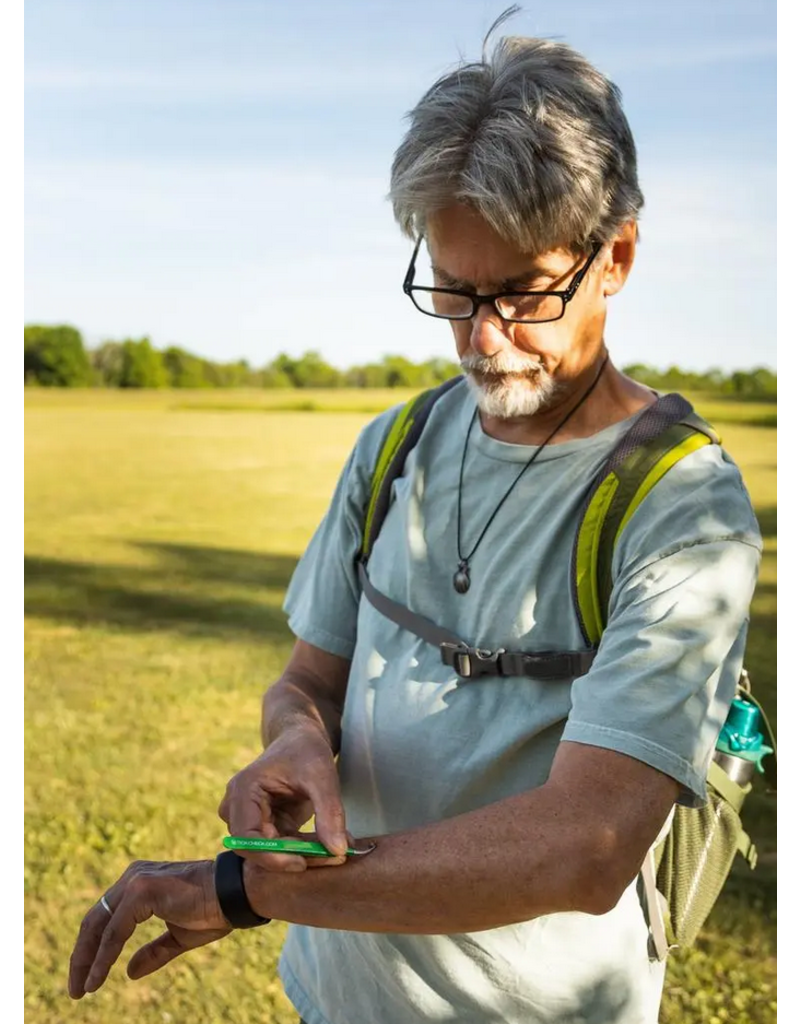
(620, 260)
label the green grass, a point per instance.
(353, 400)
(716, 408)
(158, 546)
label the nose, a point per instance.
(488, 335)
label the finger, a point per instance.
(277, 862)
(291, 822)
(156, 954)
(328, 811)
(153, 956)
(86, 945)
(317, 862)
(135, 908)
(248, 812)
(264, 827)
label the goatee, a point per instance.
(506, 386)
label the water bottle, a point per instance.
(740, 745)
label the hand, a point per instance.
(276, 795)
(183, 895)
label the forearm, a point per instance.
(310, 693)
(295, 701)
(492, 867)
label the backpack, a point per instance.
(691, 858)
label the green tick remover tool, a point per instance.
(304, 847)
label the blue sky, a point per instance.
(213, 173)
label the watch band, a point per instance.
(233, 901)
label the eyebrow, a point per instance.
(509, 284)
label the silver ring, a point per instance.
(105, 906)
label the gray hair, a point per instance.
(533, 138)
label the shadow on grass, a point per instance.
(193, 590)
(761, 656)
(746, 912)
(768, 522)
(198, 591)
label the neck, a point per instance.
(615, 398)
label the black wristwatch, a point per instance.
(233, 901)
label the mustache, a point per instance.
(501, 364)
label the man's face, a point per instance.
(518, 369)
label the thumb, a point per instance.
(329, 822)
(158, 953)
(154, 956)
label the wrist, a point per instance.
(297, 727)
(231, 894)
(212, 912)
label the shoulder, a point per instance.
(701, 499)
(372, 437)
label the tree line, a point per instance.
(55, 356)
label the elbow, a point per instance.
(598, 897)
(604, 872)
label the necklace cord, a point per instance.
(464, 559)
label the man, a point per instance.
(511, 815)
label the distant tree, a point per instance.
(55, 357)
(759, 383)
(646, 375)
(311, 371)
(284, 366)
(715, 379)
(271, 377)
(765, 383)
(231, 375)
(184, 370)
(371, 375)
(142, 365)
(108, 363)
(402, 373)
(437, 371)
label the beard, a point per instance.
(508, 384)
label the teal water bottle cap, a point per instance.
(743, 722)
(740, 735)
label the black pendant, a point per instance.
(461, 578)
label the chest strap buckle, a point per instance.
(470, 662)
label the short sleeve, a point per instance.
(670, 657)
(324, 593)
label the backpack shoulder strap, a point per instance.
(665, 433)
(404, 433)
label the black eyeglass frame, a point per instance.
(480, 300)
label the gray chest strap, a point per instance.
(471, 662)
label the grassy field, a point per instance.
(161, 531)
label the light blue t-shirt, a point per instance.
(420, 745)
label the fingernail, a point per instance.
(295, 866)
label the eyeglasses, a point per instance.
(515, 307)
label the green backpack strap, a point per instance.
(403, 435)
(665, 432)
